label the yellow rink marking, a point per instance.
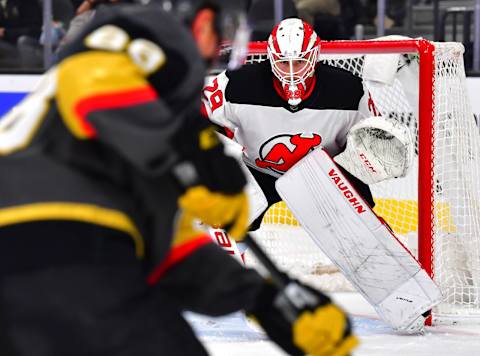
(401, 215)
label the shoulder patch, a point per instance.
(109, 80)
(108, 37)
(148, 56)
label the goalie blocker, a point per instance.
(358, 243)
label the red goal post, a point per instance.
(425, 50)
(442, 212)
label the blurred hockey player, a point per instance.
(103, 168)
(305, 111)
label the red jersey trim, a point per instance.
(176, 255)
(118, 100)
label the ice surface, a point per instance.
(234, 336)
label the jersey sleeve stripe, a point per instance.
(88, 213)
(118, 100)
(177, 254)
(108, 81)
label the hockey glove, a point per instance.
(213, 182)
(303, 321)
(202, 160)
(218, 210)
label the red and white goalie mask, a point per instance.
(293, 51)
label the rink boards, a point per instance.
(14, 87)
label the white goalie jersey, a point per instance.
(275, 135)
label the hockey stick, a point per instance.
(279, 278)
(298, 301)
(221, 238)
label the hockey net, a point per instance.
(435, 209)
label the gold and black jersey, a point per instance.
(96, 256)
(95, 141)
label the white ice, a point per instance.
(234, 336)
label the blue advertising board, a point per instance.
(13, 88)
(9, 100)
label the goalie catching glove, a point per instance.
(377, 149)
(303, 321)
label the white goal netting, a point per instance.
(435, 209)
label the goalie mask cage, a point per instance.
(435, 209)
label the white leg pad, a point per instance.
(352, 236)
(405, 304)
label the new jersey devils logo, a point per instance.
(283, 151)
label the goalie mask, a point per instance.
(293, 52)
